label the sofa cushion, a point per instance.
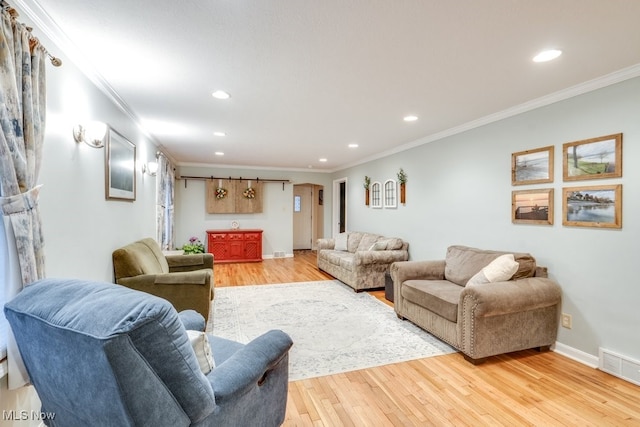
(341, 242)
(438, 296)
(498, 270)
(366, 241)
(354, 240)
(394, 243)
(462, 263)
(347, 262)
(141, 257)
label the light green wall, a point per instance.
(459, 192)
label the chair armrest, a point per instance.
(325, 244)
(411, 270)
(494, 299)
(192, 320)
(249, 366)
(379, 257)
(197, 277)
(189, 262)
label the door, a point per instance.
(339, 216)
(302, 216)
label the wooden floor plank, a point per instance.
(524, 388)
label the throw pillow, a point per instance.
(380, 245)
(201, 347)
(341, 242)
(501, 268)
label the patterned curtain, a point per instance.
(165, 217)
(22, 118)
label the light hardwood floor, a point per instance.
(521, 388)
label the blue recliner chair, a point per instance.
(103, 354)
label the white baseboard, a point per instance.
(273, 257)
(577, 355)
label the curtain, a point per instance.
(165, 217)
(22, 119)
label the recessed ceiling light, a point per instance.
(322, 159)
(220, 94)
(410, 118)
(547, 55)
(353, 145)
(220, 134)
(219, 153)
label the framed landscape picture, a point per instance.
(597, 206)
(120, 168)
(532, 206)
(532, 166)
(593, 158)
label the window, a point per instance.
(297, 203)
(376, 195)
(390, 193)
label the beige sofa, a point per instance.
(360, 259)
(484, 319)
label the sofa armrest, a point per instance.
(197, 277)
(325, 244)
(494, 299)
(189, 262)
(192, 320)
(379, 257)
(250, 366)
(411, 270)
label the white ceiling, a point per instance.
(307, 77)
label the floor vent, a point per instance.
(278, 254)
(620, 366)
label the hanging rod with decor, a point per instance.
(228, 178)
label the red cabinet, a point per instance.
(235, 245)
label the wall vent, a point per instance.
(278, 254)
(619, 365)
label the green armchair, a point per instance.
(186, 281)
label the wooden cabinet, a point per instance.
(235, 245)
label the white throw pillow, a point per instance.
(341, 242)
(380, 245)
(201, 347)
(500, 269)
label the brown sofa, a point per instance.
(186, 281)
(360, 259)
(479, 320)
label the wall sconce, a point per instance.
(92, 134)
(150, 168)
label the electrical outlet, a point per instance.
(566, 320)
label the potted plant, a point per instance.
(367, 184)
(195, 246)
(402, 179)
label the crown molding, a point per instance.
(44, 23)
(570, 92)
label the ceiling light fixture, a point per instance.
(353, 145)
(547, 55)
(322, 159)
(220, 133)
(220, 94)
(219, 153)
(410, 118)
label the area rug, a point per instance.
(334, 329)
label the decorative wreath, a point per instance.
(249, 193)
(221, 193)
